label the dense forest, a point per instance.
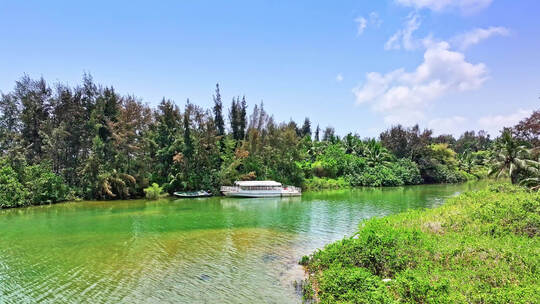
(60, 142)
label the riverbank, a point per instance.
(479, 247)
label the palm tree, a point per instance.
(510, 158)
(353, 145)
(377, 154)
(467, 161)
(533, 181)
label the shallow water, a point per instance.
(212, 250)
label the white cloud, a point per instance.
(402, 95)
(474, 36)
(374, 19)
(405, 36)
(494, 123)
(339, 77)
(466, 6)
(448, 125)
(362, 24)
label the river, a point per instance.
(212, 250)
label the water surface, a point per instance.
(212, 250)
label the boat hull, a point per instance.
(255, 194)
(191, 195)
(252, 194)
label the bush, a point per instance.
(153, 192)
(35, 185)
(479, 247)
(316, 183)
(43, 185)
(12, 192)
(407, 171)
(375, 177)
(439, 173)
(351, 285)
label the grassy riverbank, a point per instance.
(480, 247)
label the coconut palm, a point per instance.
(510, 158)
(376, 154)
(533, 180)
(353, 145)
(467, 161)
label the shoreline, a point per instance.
(411, 256)
(172, 196)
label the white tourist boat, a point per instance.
(260, 189)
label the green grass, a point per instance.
(480, 247)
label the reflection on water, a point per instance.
(215, 250)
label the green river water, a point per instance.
(212, 250)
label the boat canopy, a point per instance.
(257, 184)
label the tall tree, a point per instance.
(317, 132)
(242, 119)
(34, 95)
(233, 118)
(511, 158)
(528, 129)
(306, 127)
(218, 113)
(329, 134)
(188, 141)
(10, 110)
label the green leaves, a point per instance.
(480, 247)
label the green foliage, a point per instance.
(33, 185)
(107, 146)
(43, 186)
(376, 176)
(317, 183)
(480, 247)
(407, 171)
(12, 192)
(340, 284)
(153, 192)
(512, 159)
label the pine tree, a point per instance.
(188, 142)
(35, 99)
(306, 128)
(218, 113)
(233, 118)
(242, 119)
(317, 131)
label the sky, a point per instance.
(359, 66)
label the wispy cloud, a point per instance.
(404, 37)
(465, 40)
(339, 77)
(448, 125)
(465, 6)
(362, 23)
(494, 123)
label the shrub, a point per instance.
(153, 192)
(479, 247)
(12, 192)
(43, 185)
(407, 171)
(375, 177)
(316, 183)
(351, 285)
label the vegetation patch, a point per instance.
(480, 247)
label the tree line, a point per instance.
(88, 141)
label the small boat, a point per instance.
(260, 189)
(192, 194)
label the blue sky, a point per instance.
(360, 66)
